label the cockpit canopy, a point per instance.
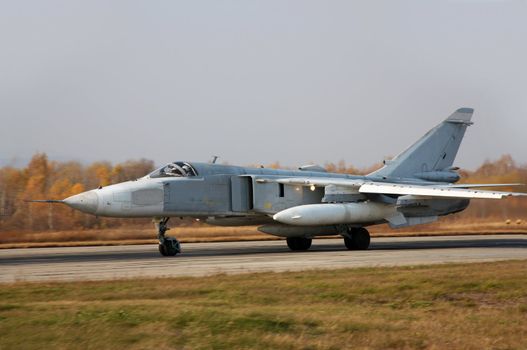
(175, 169)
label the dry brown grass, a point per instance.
(132, 235)
(427, 307)
(206, 233)
(453, 228)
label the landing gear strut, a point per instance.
(168, 246)
(357, 238)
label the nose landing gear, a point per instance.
(168, 246)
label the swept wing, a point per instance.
(373, 187)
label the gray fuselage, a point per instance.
(233, 195)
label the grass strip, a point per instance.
(470, 306)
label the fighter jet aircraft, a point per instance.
(415, 187)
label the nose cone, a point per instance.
(87, 202)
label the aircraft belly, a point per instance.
(239, 220)
(281, 230)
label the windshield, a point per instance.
(176, 169)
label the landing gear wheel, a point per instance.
(163, 250)
(168, 246)
(359, 240)
(298, 243)
(171, 246)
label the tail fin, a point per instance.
(434, 152)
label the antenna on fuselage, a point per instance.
(213, 159)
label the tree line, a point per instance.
(45, 179)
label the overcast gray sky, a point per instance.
(259, 81)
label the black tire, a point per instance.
(170, 247)
(299, 243)
(360, 239)
(162, 250)
(347, 242)
(171, 251)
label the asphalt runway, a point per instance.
(200, 259)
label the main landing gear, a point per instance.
(168, 246)
(357, 238)
(298, 243)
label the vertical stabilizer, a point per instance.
(434, 152)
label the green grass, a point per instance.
(472, 306)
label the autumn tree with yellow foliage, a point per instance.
(44, 179)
